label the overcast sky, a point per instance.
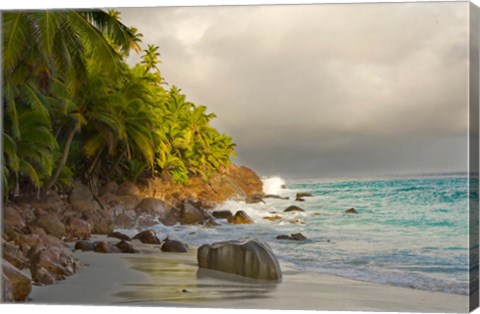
(324, 90)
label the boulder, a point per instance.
(85, 206)
(246, 179)
(249, 258)
(174, 246)
(293, 208)
(43, 277)
(80, 193)
(128, 188)
(293, 236)
(29, 244)
(126, 247)
(17, 284)
(12, 218)
(102, 221)
(119, 235)
(273, 218)
(7, 290)
(77, 229)
(222, 214)
(59, 262)
(51, 224)
(254, 199)
(303, 194)
(191, 214)
(124, 221)
(106, 247)
(299, 199)
(276, 196)
(157, 208)
(297, 221)
(51, 202)
(85, 246)
(351, 211)
(109, 188)
(240, 217)
(148, 237)
(14, 255)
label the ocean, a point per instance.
(409, 231)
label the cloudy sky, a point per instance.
(324, 90)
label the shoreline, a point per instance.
(154, 278)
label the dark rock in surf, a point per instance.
(276, 196)
(293, 236)
(351, 211)
(303, 194)
(240, 217)
(293, 208)
(254, 199)
(119, 235)
(222, 214)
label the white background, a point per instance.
(29, 4)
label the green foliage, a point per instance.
(74, 108)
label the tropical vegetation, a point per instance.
(74, 108)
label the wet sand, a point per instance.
(154, 278)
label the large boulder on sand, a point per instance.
(174, 246)
(77, 229)
(19, 284)
(158, 209)
(57, 262)
(249, 258)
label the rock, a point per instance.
(128, 188)
(126, 247)
(12, 218)
(19, 284)
(106, 247)
(351, 211)
(174, 246)
(7, 290)
(85, 206)
(246, 179)
(59, 262)
(222, 214)
(77, 229)
(51, 203)
(293, 208)
(254, 199)
(128, 202)
(276, 196)
(158, 209)
(297, 221)
(148, 237)
(101, 221)
(240, 217)
(80, 193)
(110, 187)
(249, 258)
(303, 194)
(85, 246)
(124, 221)
(14, 255)
(226, 187)
(273, 218)
(30, 244)
(194, 215)
(43, 277)
(293, 236)
(299, 199)
(52, 225)
(119, 235)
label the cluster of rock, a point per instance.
(36, 231)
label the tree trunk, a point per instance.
(66, 150)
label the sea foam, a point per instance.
(273, 185)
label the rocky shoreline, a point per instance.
(38, 234)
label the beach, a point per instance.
(155, 278)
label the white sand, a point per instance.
(173, 279)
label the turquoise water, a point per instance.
(410, 232)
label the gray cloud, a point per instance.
(311, 90)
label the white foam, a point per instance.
(273, 185)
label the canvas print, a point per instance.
(309, 157)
